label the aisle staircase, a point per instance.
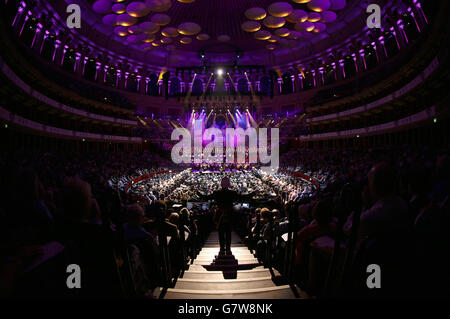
(238, 276)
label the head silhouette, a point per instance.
(225, 183)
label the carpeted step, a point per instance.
(243, 274)
(279, 292)
(221, 284)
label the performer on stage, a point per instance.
(224, 199)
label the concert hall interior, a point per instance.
(238, 149)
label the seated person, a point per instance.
(321, 225)
(266, 217)
(92, 246)
(160, 225)
(133, 229)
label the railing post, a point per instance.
(269, 245)
(287, 252)
(165, 260)
(292, 248)
(183, 252)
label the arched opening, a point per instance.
(132, 83)
(286, 83)
(69, 61)
(48, 48)
(152, 87)
(175, 86)
(391, 45)
(349, 67)
(89, 70)
(197, 87)
(243, 86)
(329, 75)
(265, 85)
(111, 77)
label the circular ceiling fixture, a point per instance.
(155, 44)
(301, 1)
(262, 35)
(166, 40)
(149, 27)
(121, 31)
(102, 6)
(134, 29)
(170, 32)
(328, 16)
(250, 26)
(147, 38)
(203, 37)
(119, 8)
(319, 5)
(304, 26)
(319, 27)
(274, 39)
(297, 15)
(186, 1)
(110, 19)
(159, 5)
(255, 13)
(283, 32)
(161, 19)
(223, 38)
(189, 28)
(185, 40)
(338, 4)
(274, 22)
(125, 20)
(280, 9)
(138, 9)
(271, 47)
(314, 17)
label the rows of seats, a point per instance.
(57, 212)
(395, 218)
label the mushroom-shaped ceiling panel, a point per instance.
(189, 28)
(280, 9)
(255, 13)
(138, 9)
(159, 5)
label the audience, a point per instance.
(107, 223)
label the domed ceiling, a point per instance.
(218, 25)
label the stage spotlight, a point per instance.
(220, 72)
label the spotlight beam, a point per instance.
(209, 116)
(206, 87)
(186, 100)
(252, 120)
(232, 83)
(232, 117)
